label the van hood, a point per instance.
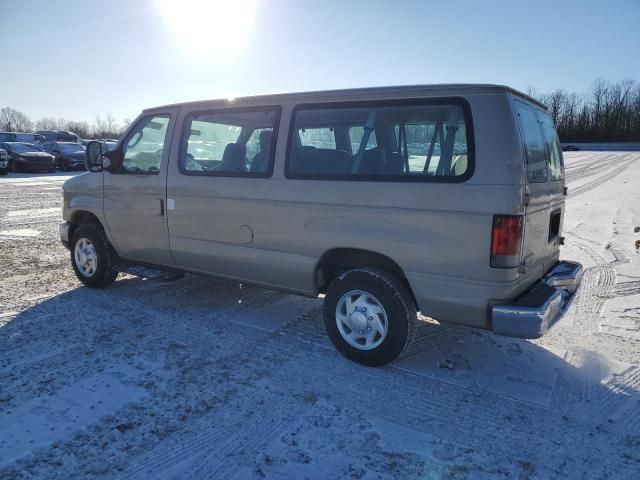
(82, 182)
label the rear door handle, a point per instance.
(161, 207)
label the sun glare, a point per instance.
(217, 29)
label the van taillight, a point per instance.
(506, 238)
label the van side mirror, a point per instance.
(93, 158)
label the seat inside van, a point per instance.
(459, 165)
(234, 158)
(378, 161)
(323, 161)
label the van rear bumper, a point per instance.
(532, 313)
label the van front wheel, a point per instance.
(369, 316)
(92, 257)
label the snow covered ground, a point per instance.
(200, 378)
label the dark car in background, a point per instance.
(7, 136)
(4, 162)
(109, 144)
(33, 138)
(570, 148)
(69, 155)
(28, 157)
(58, 136)
(21, 137)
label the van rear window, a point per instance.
(541, 143)
(534, 144)
(419, 140)
(556, 170)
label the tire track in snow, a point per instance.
(611, 400)
(598, 282)
(591, 169)
(599, 181)
(624, 289)
(189, 453)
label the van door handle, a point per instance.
(161, 207)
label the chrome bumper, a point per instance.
(531, 314)
(64, 229)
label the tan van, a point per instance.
(443, 199)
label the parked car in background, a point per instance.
(386, 201)
(29, 138)
(109, 145)
(7, 137)
(28, 157)
(4, 162)
(570, 148)
(21, 137)
(69, 155)
(58, 136)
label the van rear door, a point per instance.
(544, 189)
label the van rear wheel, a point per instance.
(369, 316)
(92, 257)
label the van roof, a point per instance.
(324, 95)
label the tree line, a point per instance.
(608, 112)
(12, 120)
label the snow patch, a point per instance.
(33, 213)
(276, 315)
(514, 368)
(41, 421)
(19, 233)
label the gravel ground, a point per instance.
(199, 378)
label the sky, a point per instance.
(79, 58)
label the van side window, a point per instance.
(230, 142)
(534, 144)
(145, 145)
(355, 136)
(419, 140)
(317, 137)
(553, 147)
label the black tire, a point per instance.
(105, 272)
(3, 171)
(398, 305)
(63, 167)
(14, 167)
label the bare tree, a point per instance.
(82, 129)
(608, 112)
(12, 120)
(51, 123)
(107, 127)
